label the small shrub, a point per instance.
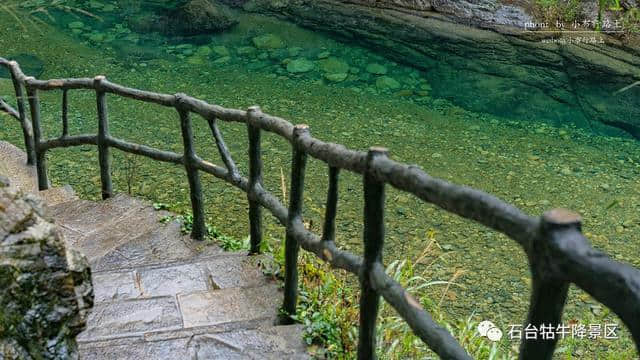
(563, 11)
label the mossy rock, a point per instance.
(339, 77)
(194, 17)
(387, 83)
(333, 65)
(220, 51)
(204, 51)
(30, 64)
(376, 69)
(246, 50)
(301, 65)
(268, 41)
(76, 25)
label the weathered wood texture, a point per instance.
(558, 253)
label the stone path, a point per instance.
(158, 294)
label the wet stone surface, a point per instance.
(158, 295)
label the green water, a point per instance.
(536, 165)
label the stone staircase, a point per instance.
(158, 294)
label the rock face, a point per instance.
(493, 66)
(46, 289)
(192, 18)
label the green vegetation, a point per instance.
(568, 11)
(563, 11)
(226, 242)
(631, 21)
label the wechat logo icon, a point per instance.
(490, 330)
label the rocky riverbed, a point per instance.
(484, 43)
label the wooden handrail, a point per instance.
(558, 253)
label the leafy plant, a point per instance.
(227, 243)
(160, 206)
(631, 21)
(552, 11)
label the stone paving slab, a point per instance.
(14, 166)
(228, 305)
(131, 317)
(115, 286)
(220, 272)
(262, 343)
(163, 244)
(98, 228)
(235, 271)
(173, 280)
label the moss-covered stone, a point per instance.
(46, 288)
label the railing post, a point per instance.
(103, 140)
(298, 166)
(41, 161)
(65, 112)
(27, 128)
(549, 293)
(329, 229)
(374, 197)
(199, 230)
(255, 181)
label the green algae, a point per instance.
(521, 161)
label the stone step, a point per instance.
(273, 342)
(58, 195)
(13, 164)
(214, 309)
(162, 244)
(159, 294)
(221, 272)
(97, 228)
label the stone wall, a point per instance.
(46, 288)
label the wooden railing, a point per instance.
(558, 253)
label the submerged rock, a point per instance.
(529, 76)
(193, 18)
(294, 51)
(300, 65)
(338, 77)
(324, 55)
(221, 51)
(268, 41)
(222, 60)
(203, 51)
(46, 288)
(75, 25)
(387, 83)
(333, 65)
(246, 50)
(376, 69)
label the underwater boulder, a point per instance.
(338, 77)
(387, 83)
(221, 51)
(301, 65)
(194, 17)
(201, 17)
(333, 65)
(267, 41)
(30, 64)
(234, 3)
(376, 69)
